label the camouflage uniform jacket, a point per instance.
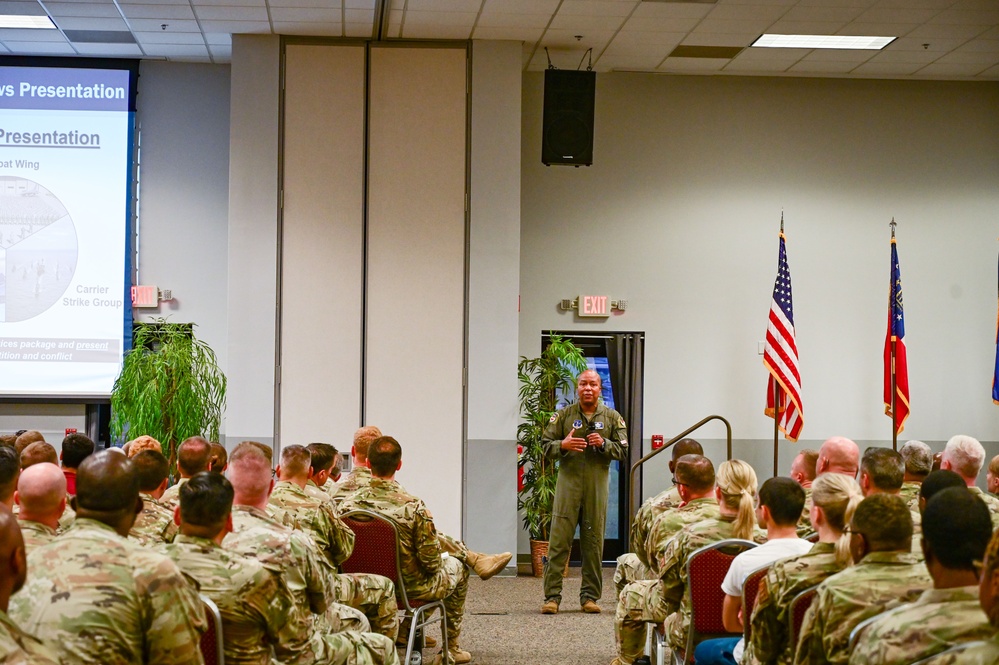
(35, 534)
(849, 597)
(805, 523)
(171, 497)
(98, 598)
(154, 525)
(317, 492)
(910, 494)
(785, 580)
(980, 653)
(19, 648)
(67, 518)
(290, 504)
(990, 501)
(419, 547)
(258, 611)
(669, 523)
(938, 620)
(259, 536)
(355, 480)
(646, 516)
(673, 568)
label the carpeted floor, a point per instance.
(504, 625)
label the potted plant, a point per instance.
(542, 381)
(170, 387)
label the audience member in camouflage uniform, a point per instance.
(803, 473)
(885, 571)
(325, 464)
(965, 456)
(667, 599)
(86, 586)
(835, 497)
(372, 594)
(260, 536)
(10, 469)
(218, 458)
(992, 477)
(258, 611)
(41, 494)
(16, 646)
(194, 455)
(155, 524)
(38, 452)
(426, 572)
(881, 472)
(483, 565)
(695, 480)
(956, 532)
(918, 460)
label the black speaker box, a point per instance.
(567, 137)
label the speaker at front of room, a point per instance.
(567, 137)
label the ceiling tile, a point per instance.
(883, 14)
(606, 8)
(624, 47)
(821, 67)
(805, 28)
(169, 12)
(546, 7)
(444, 5)
(304, 4)
(627, 63)
(669, 39)
(733, 26)
(909, 43)
(229, 3)
(657, 24)
(909, 57)
(232, 13)
(596, 39)
(91, 9)
(675, 10)
(760, 12)
(950, 69)
(965, 58)
(936, 5)
(992, 73)
(44, 48)
(886, 69)
(878, 29)
(162, 37)
(980, 46)
(15, 35)
(110, 50)
(177, 50)
(514, 20)
(219, 51)
(152, 25)
(462, 19)
(305, 14)
(822, 14)
(934, 30)
(840, 55)
(313, 28)
(507, 34)
(359, 16)
(237, 27)
(16, 8)
(704, 39)
(967, 17)
(788, 55)
(584, 24)
(693, 65)
(758, 66)
(358, 30)
(434, 31)
(159, 2)
(218, 38)
(79, 23)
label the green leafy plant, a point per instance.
(542, 380)
(170, 387)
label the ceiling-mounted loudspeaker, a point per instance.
(567, 136)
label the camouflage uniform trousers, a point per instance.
(630, 569)
(373, 595)
(450, 585)
(355, 648)
(979, 653)
(640, 603)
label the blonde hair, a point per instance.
(144, 442)
(838, 496)
(737, 482)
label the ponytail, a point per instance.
(838, 496)
(737, 481)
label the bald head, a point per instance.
(13, 568)
(38, 452)
(839, 455)
(250, 474)
(41, 493)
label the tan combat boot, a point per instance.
(487, 565)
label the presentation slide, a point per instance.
(65, 158)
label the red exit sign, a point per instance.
(594, 305)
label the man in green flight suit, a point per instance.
(584, 437)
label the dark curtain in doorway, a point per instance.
(626, 359)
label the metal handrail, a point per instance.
(681, 435)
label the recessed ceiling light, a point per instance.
(17, 21)
(823, 41)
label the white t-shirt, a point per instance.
(754, 559)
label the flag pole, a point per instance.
(776, 385)
(891, 328)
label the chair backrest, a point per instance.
(796, 613)
(750, 589)
(376, 548)
(706, 569)
(211, 641)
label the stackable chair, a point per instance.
(796, 613)
(376, 550)
(211, 641)
(706, 569)
(749, 591)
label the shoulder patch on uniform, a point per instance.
(553, 418)
(622, 423)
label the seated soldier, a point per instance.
(918, 459)
(41, 494)
(10, 469)
(75, 448)
(694, 479)
(881, 472)
(253, 600)
(427, 573)
(38, 452)
(483, 565)
(325, 467)
(666, 599)
(803, 473)
(838, 455)
(155, 524)
(194, 455)
(219, 458)
(884, 570)
(87, 586)
(835, 497)
(258, 535)
(965, 456)
(292, 506)
(992, 477)
(16, 646)
(956, 532)
(781, 500)
(637, 564)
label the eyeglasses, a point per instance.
(677, 482)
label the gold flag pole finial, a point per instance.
(892, 225)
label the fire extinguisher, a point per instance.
(520, 468)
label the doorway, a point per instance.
(619, 359)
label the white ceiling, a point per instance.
(937, 39)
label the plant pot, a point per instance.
(539, 556)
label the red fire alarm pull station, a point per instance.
(70, 430)
(657, 441)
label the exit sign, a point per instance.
(594, 306)
(145, 296)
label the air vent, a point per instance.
(100, 36)
(691, 51)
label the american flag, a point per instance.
(995, 377)
(780, 356)
(896, 336)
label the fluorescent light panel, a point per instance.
(35, 22)
(824, 41)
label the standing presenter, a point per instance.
(584, 437)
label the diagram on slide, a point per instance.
(38, 249)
